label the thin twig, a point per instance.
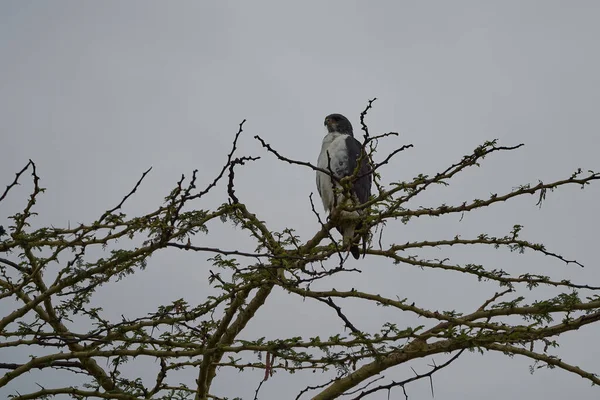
(16, 181)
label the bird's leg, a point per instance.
(349, 245)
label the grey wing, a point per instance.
(362, 186)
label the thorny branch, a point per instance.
(49, 277)
(16, 181)
(405, 382)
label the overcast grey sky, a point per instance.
(97, 92)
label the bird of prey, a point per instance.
(339, 155)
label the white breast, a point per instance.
(334, 144)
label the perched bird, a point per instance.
(339, 154)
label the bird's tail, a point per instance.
(354, 246)
(355, 252)
(352, 240)
(365, 239)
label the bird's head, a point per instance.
(338, 123)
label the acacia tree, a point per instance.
(48, 276)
